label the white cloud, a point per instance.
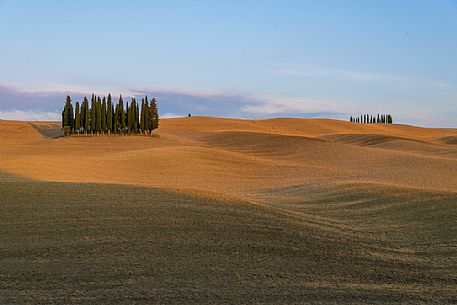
(170, 116)
(46, 88)
(340, 73)
(271, 106)
(20, 115)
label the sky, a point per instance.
(229, 58)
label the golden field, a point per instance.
(212, 210)
(237, 157)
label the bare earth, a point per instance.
(217, 210)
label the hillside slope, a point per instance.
(229, 211)
(79, 243)
(237, 157)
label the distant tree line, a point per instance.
(372, 119)
(103, 117)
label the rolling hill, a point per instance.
(229, 211)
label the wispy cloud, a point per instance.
(47, 105)
(49, 88)
(21, 115)
(303, 107)
(353, 75)
(172, 103)
(170, 116)
(337, 73)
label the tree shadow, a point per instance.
(48, 130)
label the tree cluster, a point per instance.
(103, 117)
(372, 119)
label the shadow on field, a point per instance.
(74, 243)
(48, 130)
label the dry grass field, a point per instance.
(210, 211)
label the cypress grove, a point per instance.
(372, 119)
(103, 117)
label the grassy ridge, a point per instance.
(113, 244)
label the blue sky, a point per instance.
(250, 59)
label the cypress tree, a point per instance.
(82, 115)
(154, 115)
(389, 119)
(103, 115)
(142, 116)
(77, 118)
(121, 114)
(93, 116)
(137, 117)
(114, 117)
(116, 120)
(146, 116)
(150, 117)
(132, 116)
(127, 116)
(109, 115)
(98, 115)
(87, 116)
(67, 115)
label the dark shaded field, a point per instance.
(68, 243)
